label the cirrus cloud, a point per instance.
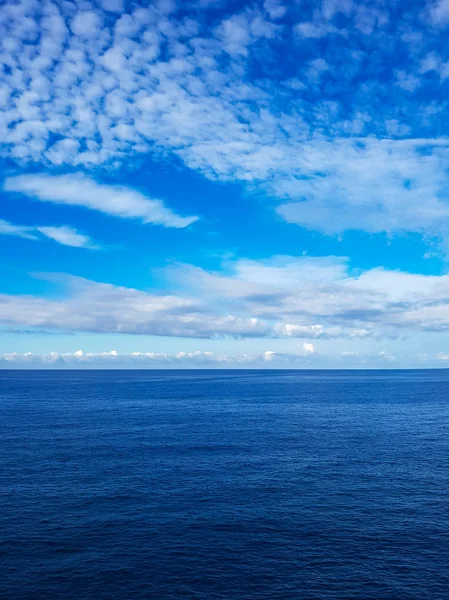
(63, 234)
(79, 190)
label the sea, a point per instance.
(224, 485)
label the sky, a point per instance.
(222, 184)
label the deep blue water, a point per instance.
(224, 485)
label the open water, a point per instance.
(224, 485)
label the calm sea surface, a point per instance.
(224, 485)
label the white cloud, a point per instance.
(275, 8)
(268, 355)
(308, 29)
(113, 5)
(65, 235)
(234, 34)
(269, 301)
(79, 190)
(93, 88)
(439, 12)
(386, 356)
(112, 359)
(238, 32)
(308, 348)
(86, 24)
(208, 359)
(96, 307)
(7, 228)
(244, 277)
(376, 186)
(289, 330)
(319, 331)
(408, 81)
(316, 297)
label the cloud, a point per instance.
(79, 190)
(319, 331)
(308, 29)
(275, 8)
(65, 235)
(198, 359)
(349, 142)
(439, 12)
(7, 228)
(86, 24)
(386, 356)
(249, 277)
(308, 348)
(97, 307)
(281, 297)
(375, 186)
(268, 355)
(112, 359)
(239, 31)
(316, 297)
(382, 360)
(113, 5)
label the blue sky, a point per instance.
(224, 184)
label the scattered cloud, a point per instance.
(275, 8)
(348, 141)
(439, 12)
(65, 235)
(7, 228)
(112, 359)
(113, 5)
(386, 356)
(308, 348)
(371, 185)
(80, 190)
(334, 111)
(209, 360)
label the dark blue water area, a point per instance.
(204, 485)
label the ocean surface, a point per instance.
(204, 485)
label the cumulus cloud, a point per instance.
(65, 235)
(308, 348)
(267, 359)
(112, 359)
(79, 190)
